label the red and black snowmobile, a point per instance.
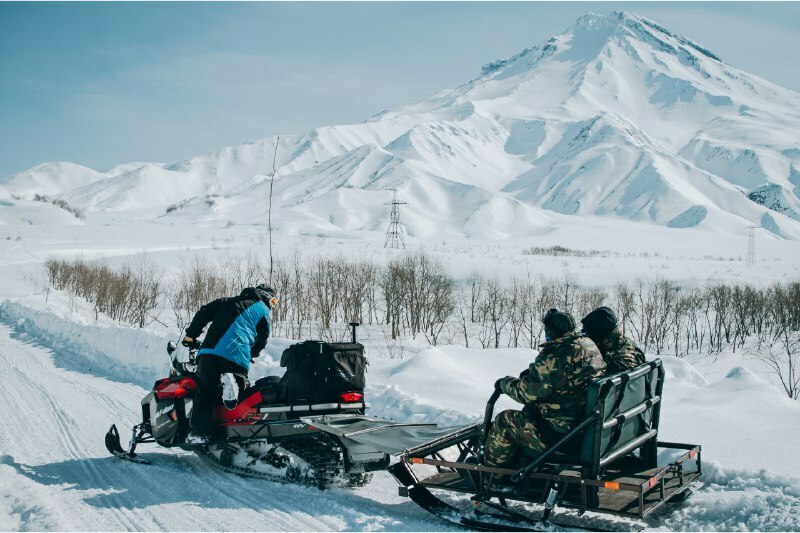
(271, 431)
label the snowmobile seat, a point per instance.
(268, 387)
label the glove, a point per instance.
(181, 354)
(524, 373)
(192, 344)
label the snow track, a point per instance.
(56, 474)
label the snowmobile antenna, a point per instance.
(269, 210)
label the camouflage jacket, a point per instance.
(557, 380)
(620, 353)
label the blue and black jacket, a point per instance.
(239, 326)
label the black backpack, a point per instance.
(318, 372)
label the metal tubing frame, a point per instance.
(652, 483)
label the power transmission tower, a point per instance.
(751, 244)
(394, 233)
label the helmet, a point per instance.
(263, 292)
(267, 294)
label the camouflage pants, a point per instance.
(510, 431)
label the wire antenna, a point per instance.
(394, 233)
(269, 210)
(751, 244)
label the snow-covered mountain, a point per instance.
(615, 117)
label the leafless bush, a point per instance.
(560, 251)
(58, 202)
(418, 295)
(196, 284)
(415, 295)
(130, 294)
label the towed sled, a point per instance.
(611, 463)
(275, 430)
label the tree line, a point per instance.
(415, 296)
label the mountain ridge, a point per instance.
(616, 116)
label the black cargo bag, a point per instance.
(318, 372)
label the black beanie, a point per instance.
(558, 322)
(599, 322)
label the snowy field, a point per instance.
(67, 377)
(615, 138)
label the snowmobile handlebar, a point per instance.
(181, 367)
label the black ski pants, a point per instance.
(208, 394)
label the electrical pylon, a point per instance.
(394, 233)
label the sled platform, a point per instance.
(621, 491)
(610, 463)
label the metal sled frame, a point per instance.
(602, 479)
(646, 490)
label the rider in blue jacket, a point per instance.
(239, 330)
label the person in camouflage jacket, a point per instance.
(553, 390)
(619, 352)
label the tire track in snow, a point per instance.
(236, 503)
(339, 504)
(66, 436)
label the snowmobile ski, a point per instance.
(114, 446)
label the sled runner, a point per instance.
(611, 463)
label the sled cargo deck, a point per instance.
(622, 491)
(610, 463)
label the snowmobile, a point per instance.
(271, 430)
(611, 463)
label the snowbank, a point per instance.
(737, 500)
(117, 352)
(106, 349)
(452, 382)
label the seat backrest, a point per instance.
(629, 407)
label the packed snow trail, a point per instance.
(56, 474)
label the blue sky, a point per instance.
(106, 83)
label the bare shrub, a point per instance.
(196, 284)
(58, 202)
(130, 294)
